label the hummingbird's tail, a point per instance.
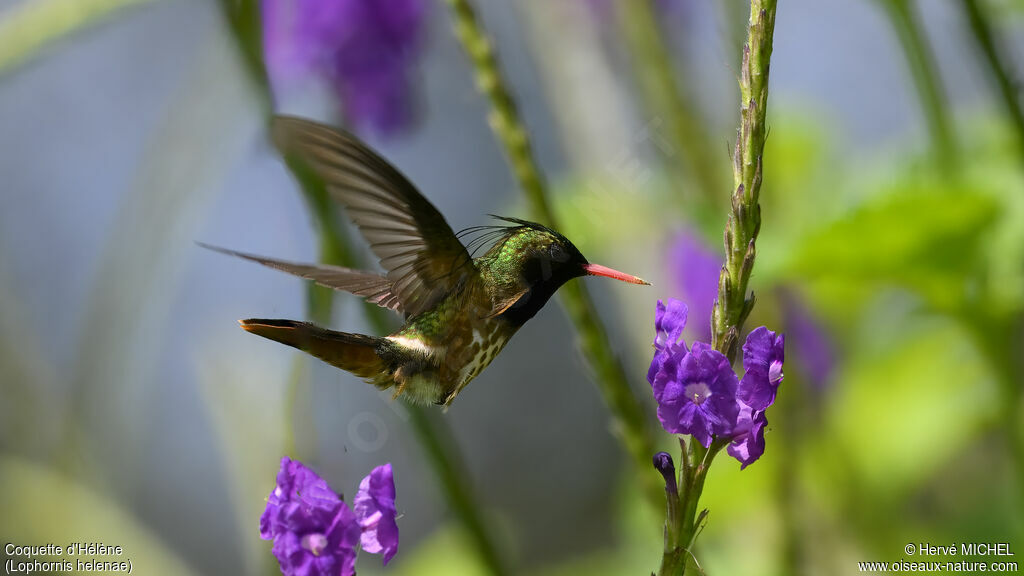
(355, 353)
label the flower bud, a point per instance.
(663, 463)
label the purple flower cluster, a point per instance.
(315, 533)
(698, 392)
(362, 48)
(694, 267)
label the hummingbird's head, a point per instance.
(533, 261)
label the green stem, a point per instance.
(432, 432)
(674, 559)
(677, 553)
(695, 485)
(996, 60)
(437, 440)
(630, 422)
(905, 22)
(742, 226)
(658, 82)
(744, 221)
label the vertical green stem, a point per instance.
(996, 60)
(673, 561)
(437, 439)
(701, 459)
(658, 82)
(906, 24)
(630, 421)
(677, 553)
(438, 443)
(744, 221)
(741, 229)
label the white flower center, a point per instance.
(697, 392)
(314, 542)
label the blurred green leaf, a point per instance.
(797, 159)
(604, 211)
(40, 507)
(928, 240)
(994, 165)
(898, 414)
(31, 25)
(27, 380)
(446, 551)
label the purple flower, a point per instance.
(763, 354)
(375, 506)
(695, 268)
(362, 48)
(314, 532)
(696, 393)
(669, 321)
(748, 436)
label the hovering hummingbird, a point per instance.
(459, 311)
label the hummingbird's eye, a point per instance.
(558, 254)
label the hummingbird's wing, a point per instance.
(423, 258)
(374, 287)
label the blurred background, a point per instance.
(134, 412)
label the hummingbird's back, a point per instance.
(449, 345)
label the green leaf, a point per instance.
(926, 240)
(445, 551)
(43, 507)
(604, 211)
(27, 378)
(899, 413)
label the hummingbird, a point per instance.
(460, 311)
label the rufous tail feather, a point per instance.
(355, 353)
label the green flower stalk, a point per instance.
(704, 375)
(630, 421)
(744, 222)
